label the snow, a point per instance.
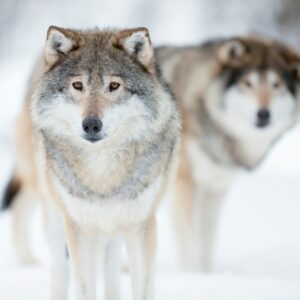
(257, 252)
(32, 283)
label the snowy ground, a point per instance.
(33, 284)
(258, 250)
(257, 255)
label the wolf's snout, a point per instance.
(92, 127)
(263, 117)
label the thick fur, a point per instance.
(221, 86)
(94, 192)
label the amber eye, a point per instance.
(77, 85)
(248, 84)
(113, 86)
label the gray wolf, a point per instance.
(237, 97)
(97, 142)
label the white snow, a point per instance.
(258, 250)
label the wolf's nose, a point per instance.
(263, 117)
(92, 126)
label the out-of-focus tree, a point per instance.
(277, 18)
(288, 20)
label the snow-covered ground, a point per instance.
(257, 255)
(258, 251)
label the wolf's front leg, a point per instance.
(141, 248)
(196, 219)
(83, 260)
(205, 218)
(112, 269)
(57, 244)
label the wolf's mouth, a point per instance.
(92, 139)
(262, 123)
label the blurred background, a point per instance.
(258, 249)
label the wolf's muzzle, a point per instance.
(92, 127)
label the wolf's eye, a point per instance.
(113, 86)
(276, 85)
(248, 84)
(77, 85)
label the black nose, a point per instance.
(92, 127)
(263, 117)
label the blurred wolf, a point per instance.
(105, 135)
(237, 97)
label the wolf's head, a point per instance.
(98, 83)
(256, 90)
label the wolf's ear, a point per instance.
(59, 42)
(291, 58)
(231, 51)
(136, 42)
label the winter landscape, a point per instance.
(257, 253)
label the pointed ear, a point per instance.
(136, 42)
(59, 42)
(231, 51)
(291, 58)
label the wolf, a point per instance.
(237, 97)
(98, 139)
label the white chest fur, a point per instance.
(205, 171)
(110, 215)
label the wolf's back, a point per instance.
(24, 176)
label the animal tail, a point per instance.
(12, 189)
